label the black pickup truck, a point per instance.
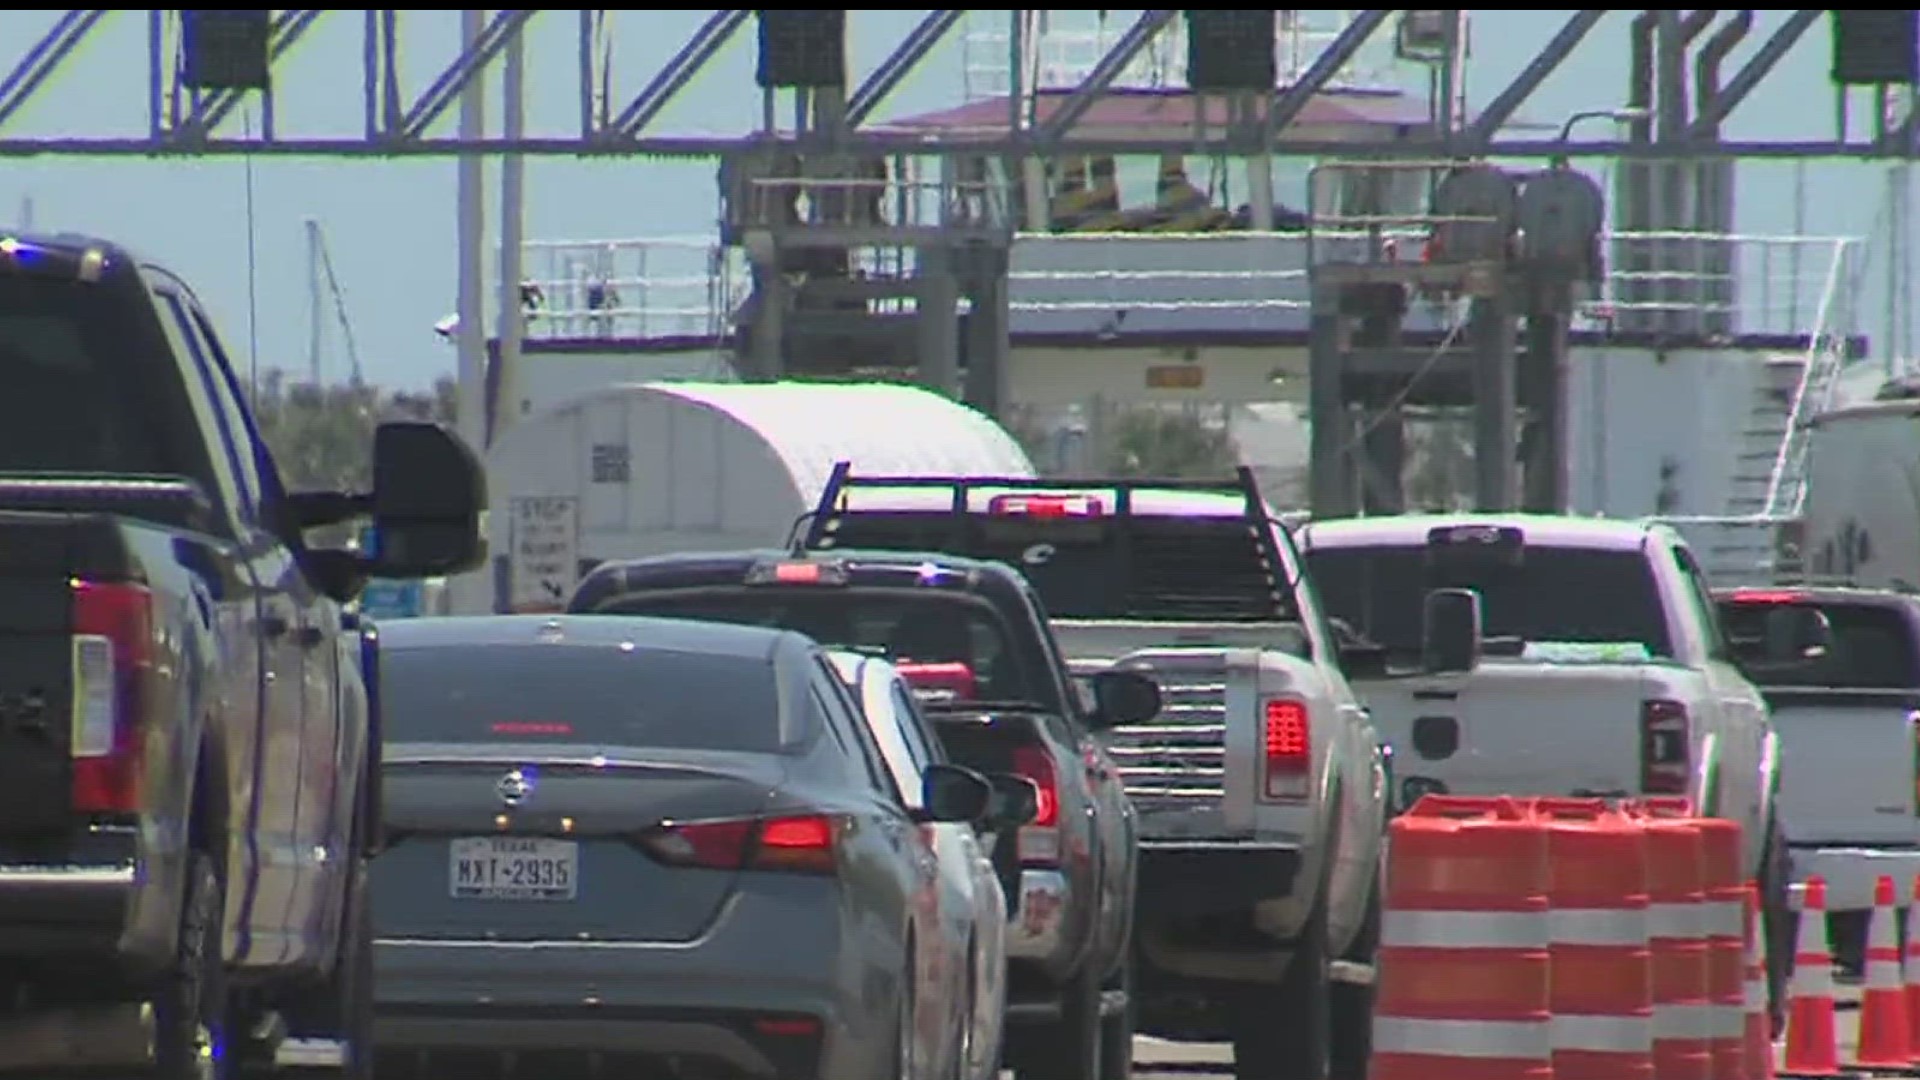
(187, 790)
(1070, 876)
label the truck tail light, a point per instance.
(1046, 506)
(1288, 749)
(112, 662)
(1666, 747)
(1039, 842)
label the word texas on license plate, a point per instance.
(512, 868)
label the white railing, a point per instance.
(1826, 355)
(631, 289)
(1063, 49)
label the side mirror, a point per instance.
(428, 491)
(1124, 697)
(1450, 631)
(1015, 802)
(953, 793)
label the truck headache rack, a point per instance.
(1152, 565)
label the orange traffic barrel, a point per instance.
(1682, 987)
(1723, 922)
(1463, 967)
(1602, 969)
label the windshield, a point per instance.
(1871, 646)
(1553, 595)
(1149, 567)
(894, 623)
(580, 695)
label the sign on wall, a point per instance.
(546, 552)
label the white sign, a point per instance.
(546, 552)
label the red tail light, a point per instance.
(1046, 506)
(939, 682)
(801, 844)
(1039, 842)
(1289, 749)
(112, 661)
(1666, 748)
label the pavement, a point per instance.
(1158, 1059)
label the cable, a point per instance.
(253, 263)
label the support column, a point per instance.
(1260, 190)
(989, 347)
(1384, 489)
(511, 318)
(1330, 485)
(1543, 394)
(936, 322)
(472, 593)
(1494, 407)
(766, 353)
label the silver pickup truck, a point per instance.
(1260, 787)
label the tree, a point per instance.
(322, 436)
(1170, 444)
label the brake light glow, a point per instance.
(532, 727)
(1288, 748)
(1039, 841)
(801, 843)
(1666, 747)
(1046, 506)
(797, 573)
(939, 682)
(1766, 596)
(113, 651)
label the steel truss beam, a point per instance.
(189, 124)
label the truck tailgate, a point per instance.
(1849, 772)
(1514, 728)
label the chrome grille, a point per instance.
(1179, 759)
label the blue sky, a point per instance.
(390, 224)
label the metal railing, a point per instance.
(1063, 50)
(631, 289)
(868, 203)
(1819, 377)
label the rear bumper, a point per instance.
(1850, 872)
(94, 901)
(1194, 879)
(723, 1039)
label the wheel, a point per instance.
(905, 1038)
(1777, 923)
(1351, 1004)
(191, 1013)
(1284, 1031)
(1116, 1028)
(1070, 1048)
(963, 1048)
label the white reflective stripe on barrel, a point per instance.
(1684, 921)
(1603, 1034)
(1882, 975)
(1724, 918)
(1756, 994)
(1682, 1021)
(1598, 926)
(1729, 1021)
(1523, 1039)
(1464, 929)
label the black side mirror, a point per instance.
(1123, 697)
(1015, 802)
(953, 793)
(428, 491)
(1450, 631)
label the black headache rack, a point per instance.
(1106, 562)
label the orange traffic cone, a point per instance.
(1911, 971)
(1883, 1004)
(1759, 1047)
(1812, 1048)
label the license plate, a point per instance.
(512, 868)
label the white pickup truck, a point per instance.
(1538, 655)
(1841, 670)
(1260, 787)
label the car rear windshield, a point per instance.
(1553, 594)
(575, 695)
(1871, 646)
(86, 386)
(1143, 567)
(896, 623)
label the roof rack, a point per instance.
(1167, 579)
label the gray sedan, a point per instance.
(652, 843)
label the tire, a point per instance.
(1116, 1030)
(1285, 1031)
(904, 1061)
(963, 1048)
(1070, 1048)
(1352, 1003)
(1778, 923)
(191, 1012)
